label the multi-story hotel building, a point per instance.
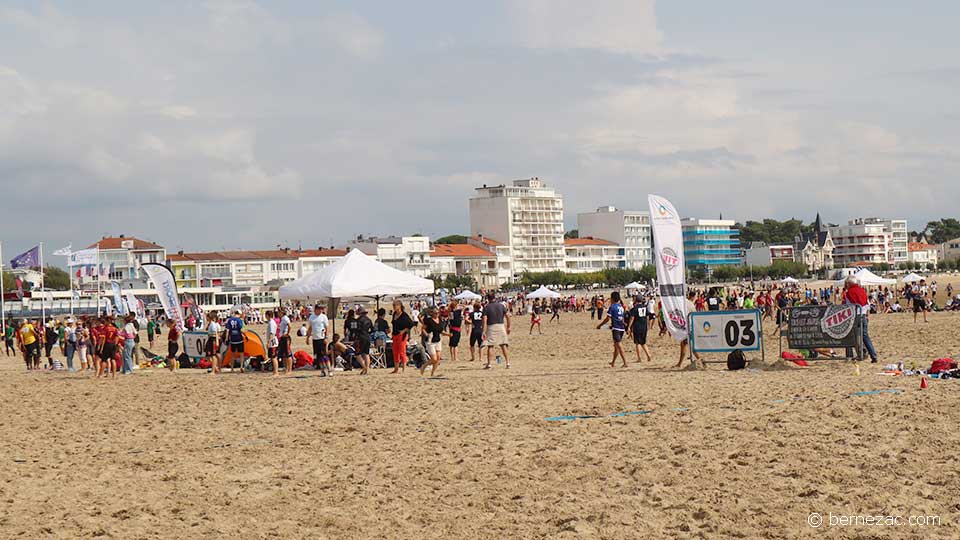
(710, 243)
(527, 216)
(628, 229)
(593, 255)
(870, 241)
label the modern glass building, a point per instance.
(710, 243)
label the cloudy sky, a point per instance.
(244, 124)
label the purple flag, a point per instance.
(30, 259)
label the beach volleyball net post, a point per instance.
(823, 327)
(725, 332)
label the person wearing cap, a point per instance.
(854, 294)
(318, 339)
(234, 327)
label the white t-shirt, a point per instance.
(129, 331)
(272, 327)
(214, 328)
(318, 326)
(284, 325)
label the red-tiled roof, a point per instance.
(255, 255)
(920, 246)
(459, 250)
(587, 241)
(116, 242)
(485, 240)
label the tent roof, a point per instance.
(356, 274)
(543, 292)
(468, 295)
(789, 279)
(635, 285)
(912, 278)
(866, 277)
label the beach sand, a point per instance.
(747, 454)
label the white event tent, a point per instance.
(543, 292)
(867, 278)
(911, 278)
(468, 295)
(356, 275)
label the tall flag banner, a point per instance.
(64, 252)
(118, 303)
(29, 259)
(84, 257)
(133, 305)
(668, 252)
(166, 286)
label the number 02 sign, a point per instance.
(725, 331)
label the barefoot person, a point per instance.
(535, 319)
(456, 327)
(637, 327)
(400, 324)
(213, 342)
(318, 339)
(691, 307)
(173, 344)
(496, 329)
(475, 320)
(362, 331)
(234, 327)
(616, 318)
(109, 339)
(432, 332)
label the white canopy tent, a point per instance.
(468, 295)
(867, 278)
(790, 280)
(543, 292)
(356, 275)
(635, 285)
(911, 278)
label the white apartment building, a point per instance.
(466, 260)
(926, 255)
(247, 268)
(898, 237)
(407, 253)
(592, 255)
(862, 243)
(527, 216)
(761, 254)
(504, 261)
(629, 229)
(121, 257)
(949, 250)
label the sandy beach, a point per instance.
(471, 454)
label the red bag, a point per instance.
(205, 364)
(942, 364)
(302, 359)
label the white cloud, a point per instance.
(619, 26)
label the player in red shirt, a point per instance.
(109, 339)
(853, 293)
(95, 328)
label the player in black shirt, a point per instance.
(637, 326)
(475, 320)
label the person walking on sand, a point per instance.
(686, 342)
(475, 320)
(455, 328)
(616, 317)
(109, 339)
(318, 339)
(173, 344)
(917, 292)
(432, 332)
(361, 339)
(8, 337)
(496, 329)
(637, 327)
(401, 323)
(535, 318)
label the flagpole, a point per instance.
(70, 273)
(43, 305)
(97, 312)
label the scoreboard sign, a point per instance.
(725, 331)
(195, 344)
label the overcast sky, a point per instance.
(237, 124)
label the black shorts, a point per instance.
(919, 306)
(455, 339)
(236, 347)
(33, 350)
(640, 335)
(476, 339)
(283, 351)
(319, 348)
(362, 346)
(617, 335)
(109, 351)
(172, 349)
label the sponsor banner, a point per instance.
(823, 326)
(725, 331)
(118, 304)
(668, 253)
(166, 286)
(84, 257)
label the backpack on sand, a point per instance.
(736, 360)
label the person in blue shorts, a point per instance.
(234, 328)
(616, 317)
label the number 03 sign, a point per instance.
(726, 331)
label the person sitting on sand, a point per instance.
(344, 354)
(616, 317)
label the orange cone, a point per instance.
(923, 383)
